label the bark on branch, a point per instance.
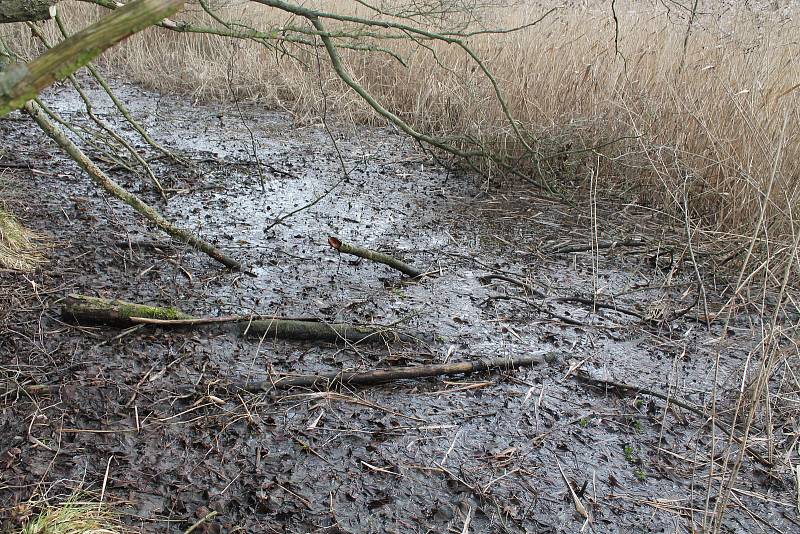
(25, 10)
(380, 376)
(373, 255)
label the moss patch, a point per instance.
(151, 312)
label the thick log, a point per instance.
(307, 331)
(25, 10)
(23, 81)
(94, 310)
(381, 376)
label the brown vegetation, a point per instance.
(705, 119)
(694, 114)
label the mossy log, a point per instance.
(94, 310)
(84, 309)
(25, 10)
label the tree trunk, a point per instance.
(24, 10)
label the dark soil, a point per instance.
(155, 416)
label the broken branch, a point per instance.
(380, 376)
(375, 256)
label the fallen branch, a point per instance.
(113, 188)
(598, 305)
(537, 307)
(372, 255)
(381, 376)
(519, 283)
(319, 331)
(94, 310)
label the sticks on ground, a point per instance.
(574, 247)
(380, 376)
(372, 255)
(630, 388)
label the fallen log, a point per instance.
(375, 256)
(84, 309)
(381, 376)
(25, 10)
(319, 331)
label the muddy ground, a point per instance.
(153, 418)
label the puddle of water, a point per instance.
(318, 462)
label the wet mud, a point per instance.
(153, 418)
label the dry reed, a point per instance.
(698, 127)
(697, 116)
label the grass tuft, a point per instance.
(18, 249)
(71, 517)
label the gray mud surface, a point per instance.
(153, 417)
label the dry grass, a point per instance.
(18, 249)
(708, 125)
(72, 516)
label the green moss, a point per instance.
(636, 424)
(629, 454)
(78, 61)
(151, 312)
